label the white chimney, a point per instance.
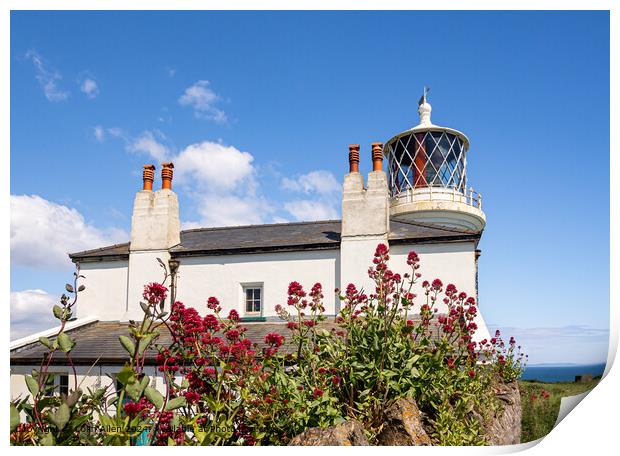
(365, 217)
(155, 228)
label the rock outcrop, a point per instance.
(349, 433)
(505, 427)
(403, 425)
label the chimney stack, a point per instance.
(166, 176)
(377, 156)
(148, 175)
(354, 158)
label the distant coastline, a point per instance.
(565, 372)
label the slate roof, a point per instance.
(97, 343)
(280, 237)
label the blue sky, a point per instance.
(260, 108)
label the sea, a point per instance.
(561, 372)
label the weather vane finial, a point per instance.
(423, 97)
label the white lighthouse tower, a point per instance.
(427, 170)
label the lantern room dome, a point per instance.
(427, 172)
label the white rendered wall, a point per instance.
(106, 290)
(451, 263)
(143, 269)
(92, 377)
(356, 257)
(224, 277)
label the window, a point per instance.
(253, 296)
(57, 384)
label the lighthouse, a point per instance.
(427, 176)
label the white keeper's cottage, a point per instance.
(421, 202)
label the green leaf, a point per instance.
(61, 417)
(32, 385)
(176, 403)
(127, 344)
(65, 342)
(45, 341)
(135, 389)
(126, 375)
(144, 343)
(48, 440)
(57, 311)
(154, 397)
(14, 418)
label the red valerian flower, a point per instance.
(192, 396)
(232, 334)
(472, 373)
(317, 393)
(233, 315)
(155, 292)
(135, 408)
(274, 339)
(295, 289)
(381, 250)
(210, 322)
(213, 303)
(317, 290)
(412, 258)
(292, 325)
(437, 284)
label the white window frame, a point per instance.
(252, 285)
(56, 382)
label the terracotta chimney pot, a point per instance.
(166, 176)
(354, 158)
(377, 156)
(148, 175)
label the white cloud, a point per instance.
(90, 88)
(231, 210)
(322, 182)
(214, 166)
(171, 71)
(43, 232)
(47, 79)
(99, 133)
(577, 344)
(148, 143)
(31, 311)
(203, 99)
(222, 182)
(308, 210)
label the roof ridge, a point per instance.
(236, 227)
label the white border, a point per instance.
(591, 428)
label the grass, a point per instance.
(539, 413)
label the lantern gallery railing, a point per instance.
(469, 197)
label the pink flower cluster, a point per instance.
(155, 293)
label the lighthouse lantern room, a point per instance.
(427, 170)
